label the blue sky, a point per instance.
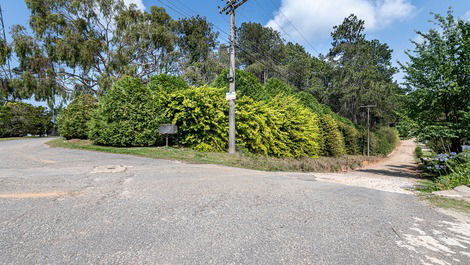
(390, 21)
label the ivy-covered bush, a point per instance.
(332, 142)
(384, 140)
(20, 119)
(73, 121)
(126, 116)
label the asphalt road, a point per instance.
(58, 207)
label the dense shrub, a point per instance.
(281, 127)
(21, 119)
(73, 121)
(247, 84)
(351, 138)
(126, 116)
(332, 142)
(167, 83)
(447, 170)
(419, 152)
(200, 114)
(384, 140)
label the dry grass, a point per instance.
(321, 164)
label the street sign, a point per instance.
(230, 96)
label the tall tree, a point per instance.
(363, 73)
(84, 45)
(260, 50)
(197, 42)
(438, 76)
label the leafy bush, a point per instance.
(126, 116)
(331, 138)
(73, 121)
(419, 152)
(281, 127)
(351, 138)
(200, 114)
(20, 119)
(384, 140)
(247, 84)
(167, 83)
(447, 170)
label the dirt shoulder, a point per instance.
(396, 173)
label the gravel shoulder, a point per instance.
(63, 206)
(396, 173)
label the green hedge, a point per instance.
(247, 84)
(281, 127)
(352, 138)
(126, 116)
(20, 119)
(384, 140)
(200, 114)
(74, 119)
(332, 142)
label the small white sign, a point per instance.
(230, 96)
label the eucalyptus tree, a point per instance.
(197, 42)
(85, 45)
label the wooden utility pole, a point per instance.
(368, 126)
(229, 9)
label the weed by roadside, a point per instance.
(447, 203)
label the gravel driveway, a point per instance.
(64, 206)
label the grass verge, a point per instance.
(447, 203)
(17, 138)
(322, 164)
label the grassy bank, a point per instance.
(322, 164)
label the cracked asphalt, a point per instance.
(58, 206)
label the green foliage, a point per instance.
(126, 116)
(300, 124)
(419, 152)
(281, 127)
(260, 49)
(247, 84)
(362, 75)
(167, 83)
(352, 138)
(384, 140)
(274, 87)
(21, 119)
(331, 138)
(73, 121)
(437, 75)
(447, 171)
(200, 114)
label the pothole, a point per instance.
(109, 169)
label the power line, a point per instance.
(252, 44)
(295, 28)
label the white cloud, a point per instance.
(139, 3)
(466, 16)
(315, 19)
